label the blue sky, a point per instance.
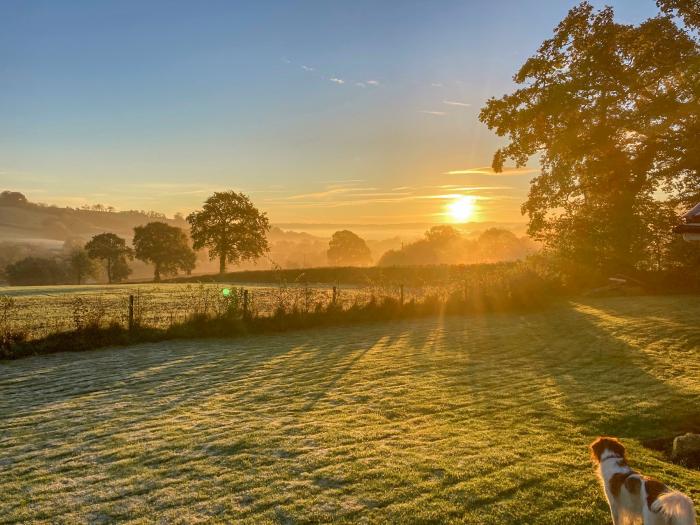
(322, 111)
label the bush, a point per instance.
(33, 271)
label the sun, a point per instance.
(462, 208)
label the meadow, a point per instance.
(40, 311)
(456, 419)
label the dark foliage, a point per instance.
(34, 271)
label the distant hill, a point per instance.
(32, 229)
(24, 221)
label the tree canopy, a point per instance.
(164, 246)
(230, 227)
(81, 265)
(446, 245)
(346, 248)
(113, 250)
(612, 112)
(32, 271)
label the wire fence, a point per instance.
(38, 315)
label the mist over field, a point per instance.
(42, 230)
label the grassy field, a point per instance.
(42, 310)
(458, 419)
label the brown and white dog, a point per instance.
(634, 498)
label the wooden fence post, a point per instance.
(245, 304)
(131, 312)
(335, 294)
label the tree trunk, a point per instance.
(156, 275)
(222, 264)
(109, 271)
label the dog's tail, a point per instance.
(677, 507)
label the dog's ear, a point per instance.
(604, 443)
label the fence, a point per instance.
(159, 307)
(38, 312)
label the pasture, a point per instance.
(474, 419)
(39, 311)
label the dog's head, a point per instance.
(603, 443)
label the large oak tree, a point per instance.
(612, 112)
(231, 227)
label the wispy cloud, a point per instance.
(342, 181)
(337, 80)
(329, 192)
(455, 103)
(434, 113)
(307, 68)
(436, 84)
(372, 82)
(489, 171)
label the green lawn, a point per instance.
(461, 419)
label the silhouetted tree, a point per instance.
(612, 111)
(446, 245)
(165, 247)
(231, 227)
(33, 271)
(12, 198)
(347, 248)
(113, 250)
(81, 265)
(442, 234)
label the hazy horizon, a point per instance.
(321, 113)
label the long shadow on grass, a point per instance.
(147, 384)
(607, 382)
(346, 367)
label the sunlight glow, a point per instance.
(462, 209)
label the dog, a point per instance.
(634, 498)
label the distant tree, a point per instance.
(33, 271)
(613, 113)
(81, 265)
(347, 248)
(442, 234)
(113, 250)
(231, 227)
(13, 198)
(165, 247)
(121, 269)
(419, 253)
(497, 244)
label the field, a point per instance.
(38, 311)
(42, 310)
(481, 419)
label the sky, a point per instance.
(358, 112)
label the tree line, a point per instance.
(229, 226)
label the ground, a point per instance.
(456, 419)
